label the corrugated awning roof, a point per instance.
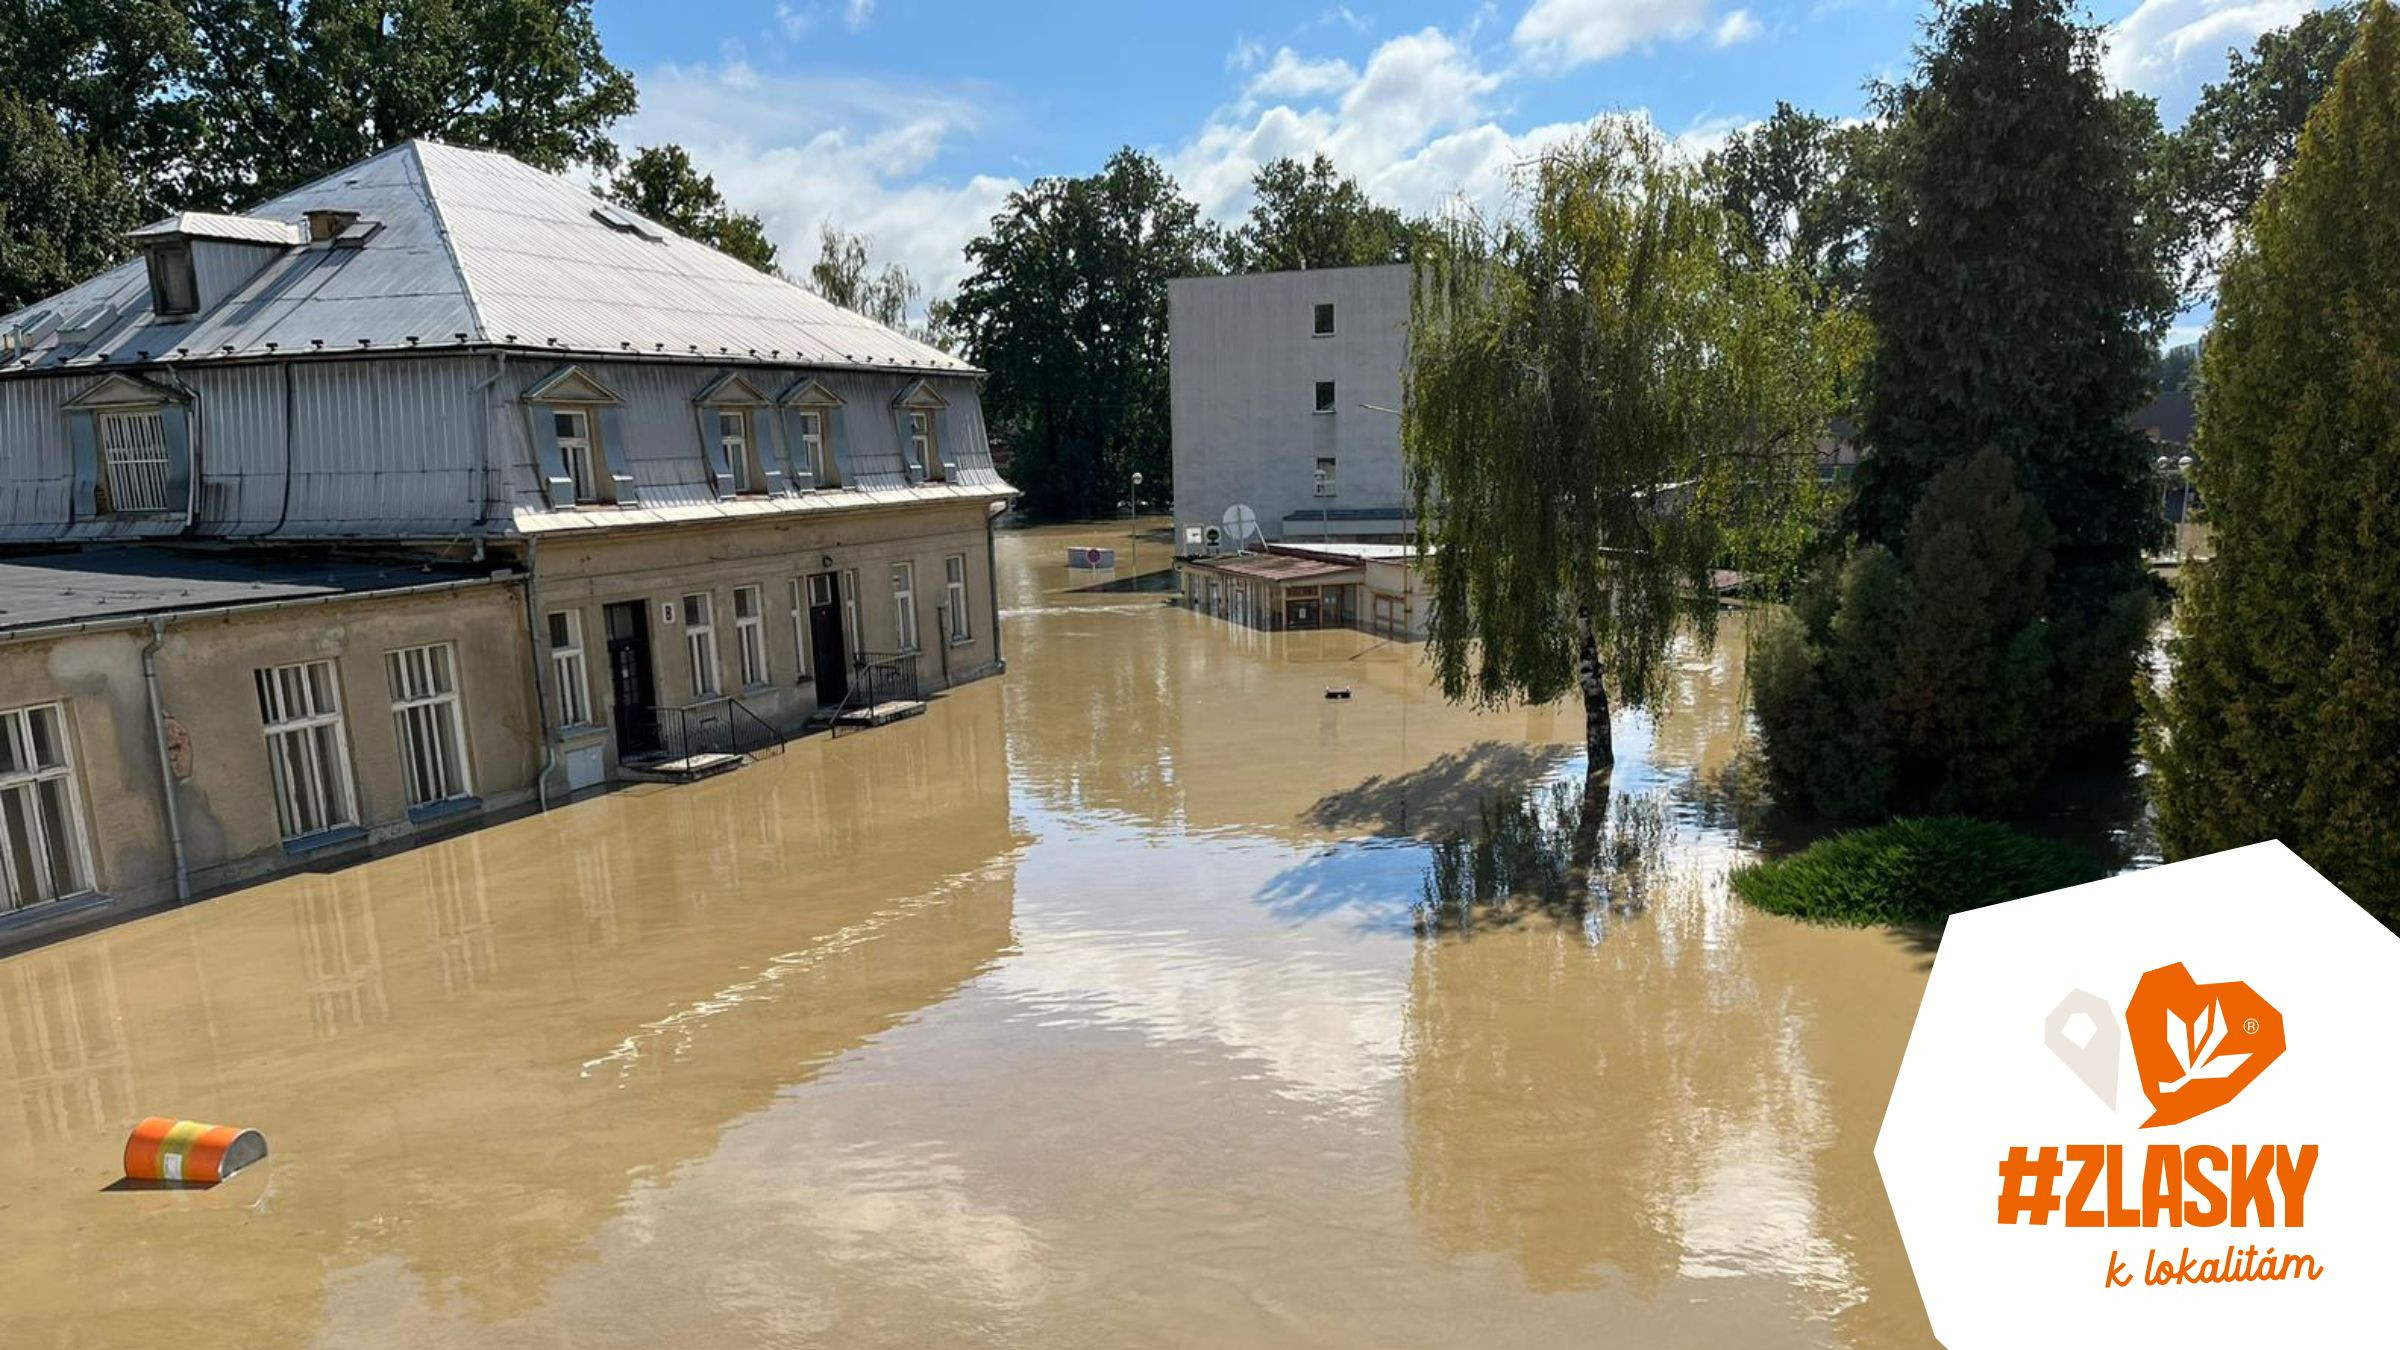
(67, 588)
(1277, 567)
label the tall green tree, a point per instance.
(1802, 187)
(2282, 719)
(843, 274)
(1066, 308)
(662, 183)
(1307, 215)
(1598, 399)
(2246, 127)
(64, 209)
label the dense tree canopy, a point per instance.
(2282, 719)
(1066, 307)
(220, 104)
(1597, 396)
(2246, 127)
(2016, 289)
(64, 208)
(1803, 189)
(662, 184)
(1307, 216)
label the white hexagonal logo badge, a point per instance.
(2161, 1109)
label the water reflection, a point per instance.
(1082, 1010)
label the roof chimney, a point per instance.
(324, 223)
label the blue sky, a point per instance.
(911, 120)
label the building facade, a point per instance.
(1285, 389)
(432, 490)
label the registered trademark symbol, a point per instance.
(2249, 1026)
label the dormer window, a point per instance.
(131, 442)
(174, 286)
(580, 452)
(812, 434)
(921, 449)
(733, 435)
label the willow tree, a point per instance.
(1602, 405)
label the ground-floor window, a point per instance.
(955, 583)
(433, 741)
(700, 643)
(568, 669)
(41, 820)
(799, 628)
(301, 708)
(904, 605)
(750, 634)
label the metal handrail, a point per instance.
(724, 726)
(878, 677)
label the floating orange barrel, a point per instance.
(186, 1150)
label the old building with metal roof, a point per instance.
(678, 509)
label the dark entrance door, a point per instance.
(629, 679)
(825, 644)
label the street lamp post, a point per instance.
(1133, 529)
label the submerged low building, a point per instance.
(435, 488)
(1376, 588)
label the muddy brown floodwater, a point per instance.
(1084, 1010)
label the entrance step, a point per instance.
(686, 769)
(876, 714)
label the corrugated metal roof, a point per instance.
(209, 225)
(120, 583)
(476, 249)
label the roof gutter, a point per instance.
(129, 621)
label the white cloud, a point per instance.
(795, 23)
(1562, 33)
(858, 153)
(2169, 48)
(1291, 75)
(1246, 54)
(1738, 27)
(856, 13)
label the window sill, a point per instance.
(753, 690)
(967, 641)
(582, 731)
(1322, 412)
(443, 810)
(324, 839)
(43, 912)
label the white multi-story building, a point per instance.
(1285, 393)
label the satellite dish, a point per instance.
(1241, 525)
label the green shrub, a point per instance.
(1912, 872)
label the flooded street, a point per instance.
(1084, 1010)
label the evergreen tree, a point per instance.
(2283, 716)
(2016, 288)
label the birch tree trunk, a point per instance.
(1599, 746)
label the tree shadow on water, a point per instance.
(1444, 797)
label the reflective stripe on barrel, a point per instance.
(161, 1149)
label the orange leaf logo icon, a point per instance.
(2198, 1045)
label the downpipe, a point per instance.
(541, 693)
(166, 766)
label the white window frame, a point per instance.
(570, 672)
(581, 452)
(812, 445)
(853, 641)
(1327, 397)
(700, 645)
(739, 449)
(920, 442)
(1322, 309)
(904, 606)
(311, 796)
(134, 461)
(954, 582)
(750, 636)
(1322, 480)
(430, 724)
(799, 629)
(33, 878)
